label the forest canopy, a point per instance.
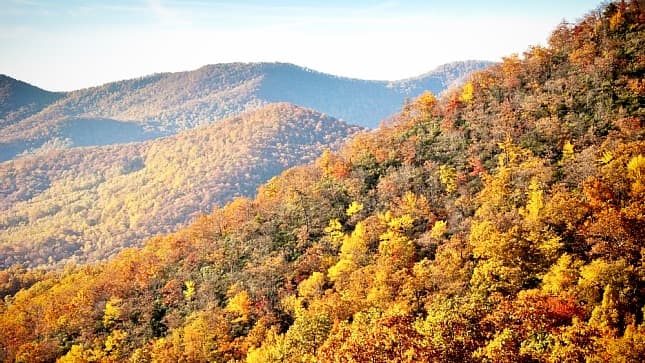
(502, 222)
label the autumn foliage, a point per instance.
(501, 223)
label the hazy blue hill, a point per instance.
(361, 102)
(19, 100)
(71, 132)
(357, 101)
(98, 132)
(168, 103)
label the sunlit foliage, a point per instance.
(514, 235)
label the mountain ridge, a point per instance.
(93, 201)
(20, 99)
(166, 103)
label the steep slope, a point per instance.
(90, 202)
(503, 223)
(164, 104)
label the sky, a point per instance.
(67, 45)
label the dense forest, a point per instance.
(85, 204)
(502, 222)
(33, 121)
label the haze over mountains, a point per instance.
(33, 120)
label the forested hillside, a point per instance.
(87, 203)
(167, 103)
(19, 100)
(503, 222)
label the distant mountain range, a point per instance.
(91, 202)
(33, 120)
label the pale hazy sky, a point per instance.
(66, 45)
